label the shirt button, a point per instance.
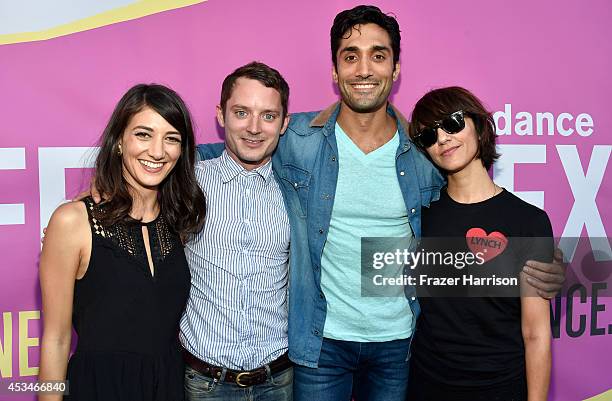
(333, 158)
(321, 295)
(412, 210)
(247, 192)
(320, 231)
(315, 332)
(295, 184)
(402, 173)
(247, 221)
(412, 298)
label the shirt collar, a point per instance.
(230, 169)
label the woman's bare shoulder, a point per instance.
(70, 217)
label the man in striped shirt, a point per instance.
(234, 329)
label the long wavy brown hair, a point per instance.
(181, 200)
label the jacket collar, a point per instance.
(323, 117)
(327, 118)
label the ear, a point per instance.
(220, 117)
(334, 74)
(396, 71)
(285, 124)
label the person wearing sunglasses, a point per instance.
(451, 124)
(478, 348)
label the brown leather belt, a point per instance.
(242, 378)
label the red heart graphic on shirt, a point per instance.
(488, 245)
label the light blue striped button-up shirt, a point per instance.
(236, 315)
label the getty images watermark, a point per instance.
(472, 266)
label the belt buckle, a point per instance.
(239, 376)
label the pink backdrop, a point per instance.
(545, 56)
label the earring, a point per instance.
(119, 151)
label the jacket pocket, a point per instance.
(296, 182)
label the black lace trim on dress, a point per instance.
(128, 235)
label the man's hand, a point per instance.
(93, 192)
(546, 278)
(81, 196)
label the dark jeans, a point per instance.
(364, 371)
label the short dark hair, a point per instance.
(181, 200)
(439, 103)
(360, 15)
(266, 75)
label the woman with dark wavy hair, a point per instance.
(489, 344)
(116, 270)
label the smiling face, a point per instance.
(150, 148)
(365, 71)
(253, 122)
(456, 152)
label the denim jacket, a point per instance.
(306, 167)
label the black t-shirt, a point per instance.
(477, 342)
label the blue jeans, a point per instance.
(364, 371)
(198, 387)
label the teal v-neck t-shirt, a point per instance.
(368, 203)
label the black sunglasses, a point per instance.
(452, 124)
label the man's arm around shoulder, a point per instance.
(206, 151)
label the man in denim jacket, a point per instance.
(349, 172)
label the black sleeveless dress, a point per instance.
(126, 318)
